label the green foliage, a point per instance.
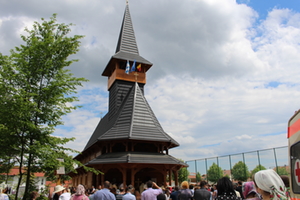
(36, 90)
(198, 177)
(43, 194)
(214, 173)
(183, 174)
(226, 175)
(31, 186)
(282, 171)
(240, 171)
(256, 169)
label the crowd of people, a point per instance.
(266, 185)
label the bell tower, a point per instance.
(128, 145)
(126, 67)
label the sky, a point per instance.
(225, 77)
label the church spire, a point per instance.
(127, 42)
(126, 54)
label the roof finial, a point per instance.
(126, 2)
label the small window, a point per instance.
(295, 167)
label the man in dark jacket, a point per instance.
(239, 188)
(174, 194)
(202, 193)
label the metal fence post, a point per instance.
(230, 164)
(244, 164)
(258, 160)
(275, 160)
(206, 169)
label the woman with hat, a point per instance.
(270, 185)
(57, 192)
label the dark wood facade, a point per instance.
(129, 145)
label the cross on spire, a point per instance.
(136, 75)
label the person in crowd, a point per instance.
(208, 187)
(66, 194)
(57, 192)
(129, 193)
(215, 192)
(211, 192)
(249, 191)
(167, 193)
(174, 194)
(113, 190)
(269, 184)
(121, 193)
(196, 187)
(91, 197)
(3, 195)
(151, 193)
(185, 193)
(286, 181)
(137, 194)
(33, 195)
(191, 187)
(225, 190)
(104, 194)
(239, 189)
(93, 190)
(202, 193)
(161, 196)
(235, 185)
(79, 194)
(73, 190)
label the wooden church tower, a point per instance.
(129, 145)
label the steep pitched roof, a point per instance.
(127, 40)
(127, 47)
(135, 120)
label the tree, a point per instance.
(183, 174)
(214, 173)
(36, 90)
(256, 169)
(282, 171)
(240, 171)
(198, 177)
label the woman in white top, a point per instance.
(270, 185)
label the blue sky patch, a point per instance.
(265, 6)
(273, 84)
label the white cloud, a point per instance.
(222, 81)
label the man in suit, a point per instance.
(202, 193)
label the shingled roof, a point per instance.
(136, 157)
(127, 47)
(127, 40)
(134, 120)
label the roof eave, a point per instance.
(121, 55)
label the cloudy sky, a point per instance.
(225, 77)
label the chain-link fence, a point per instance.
(274, 158)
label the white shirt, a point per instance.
(65, 196)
